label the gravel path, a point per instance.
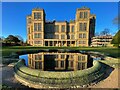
(8, 77)
(113, 81)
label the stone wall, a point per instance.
(45, 79)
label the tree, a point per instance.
(20, 38)
(12, 39)
(106, 31)
(116, 39)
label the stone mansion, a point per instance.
(78, 32)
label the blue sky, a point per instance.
(14, 14)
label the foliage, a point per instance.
(106, 31)
(12, 39)
(116, 39)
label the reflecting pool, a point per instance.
(57, 61)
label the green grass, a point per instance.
(114, 52)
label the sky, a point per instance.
(14, 14)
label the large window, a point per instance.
(35, 26)
(62, 36)
(37, 42)
(80, 35)
(83, 58)
(36, 65)
(84, 35)
(56, 56)
(72, 29)
(72, 36)
(63, 28)
(85, 14)
(85, 26)
(62, 63)
(71, 64)
(37, 15)
(56, 28)
(82, 42)
(56, 64)
(37, 35)
(81, 14)
(83, 65)
(62, 56)
(29, 30)
(79, 65)
(80, 29)
(38, 57)
(56, 36)
(79, 58)
(39, 26)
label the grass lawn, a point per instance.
(114, 52)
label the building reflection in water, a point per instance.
(59, 61)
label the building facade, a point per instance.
(100, 41)
(59, 61)
(77, 32)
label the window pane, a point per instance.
(84, 35)
(72, 29)
(83, 58)
(63, 28)
(40, 65)
(36, 65)
(38, 15)
(81, 14)
(62, 63)
(72, 37)
(85, 14)
(79, 65)
(57, 28)
(56, 63)
(85, 26)
(35, 15)
(62, 56)
(79, 58)
(35, 26)
(39, 26)
(62, 36)
(80, 35)
(80, 29)
(83, 65)
(56, 36)
(71, 63)
(39, 35)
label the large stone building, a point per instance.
(77, 32)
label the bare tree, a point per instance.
(106, 31)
